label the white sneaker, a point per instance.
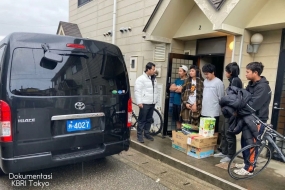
(219, 155)
(242, 171)
(239, 166)
(225, 159)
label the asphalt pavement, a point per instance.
(118, 172)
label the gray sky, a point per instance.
(40, 16)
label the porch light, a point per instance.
(256, 40)
(231, 46)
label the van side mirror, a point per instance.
(53, 57)
(47, 63)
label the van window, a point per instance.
(90, 74)
(1, 55)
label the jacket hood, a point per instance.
(262, 80)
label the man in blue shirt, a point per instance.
(176, 87)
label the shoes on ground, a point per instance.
(140, 139)
(239, 166)
(242, 172)
(225, 159)
(219, 155)
(148, 137)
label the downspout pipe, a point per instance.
(233, 51)
(114, 22)
(241, 49)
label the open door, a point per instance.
(278, 108)
(174, 61)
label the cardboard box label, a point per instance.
(189, 140)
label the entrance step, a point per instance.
(209, 169)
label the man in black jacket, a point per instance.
(259, 88)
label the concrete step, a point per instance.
(209, 169)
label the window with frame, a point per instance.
(83, 2)
(1, 55)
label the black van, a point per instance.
(62, 100)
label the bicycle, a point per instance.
(254, 160)
(156, 124)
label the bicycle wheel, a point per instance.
(254, 159)
(134, 121)
(156, 124)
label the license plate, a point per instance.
(78, 125)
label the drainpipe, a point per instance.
(233, 51)
(114, 22)
(241, 49)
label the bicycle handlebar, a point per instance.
(269, 127)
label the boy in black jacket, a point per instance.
(259, 88)
(227, 146)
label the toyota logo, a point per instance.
(79, 105)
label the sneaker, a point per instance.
(239, 166)
(140, 139)
(148, 137)
(219, 155)
(242, 171)
(225, 159)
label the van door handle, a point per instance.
(278, 108)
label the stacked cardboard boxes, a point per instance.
(197, 145)
(194, 145)
(201, 147)
(179, 141)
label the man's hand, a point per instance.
(188, 106)
(173, 87)
(140, 105)
(179, 89)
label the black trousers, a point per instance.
(228, 141)
(144, 120)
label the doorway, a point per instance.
(217, 60)
(174, 61)
(278, 108)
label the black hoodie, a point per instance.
(261, 96)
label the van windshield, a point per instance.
(91, 74)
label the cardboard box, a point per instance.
(179, 141)
(207, 126)
(199, 141)
(200, 152)
(179, 146)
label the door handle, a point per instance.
(278, 108)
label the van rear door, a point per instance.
(62, 107)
